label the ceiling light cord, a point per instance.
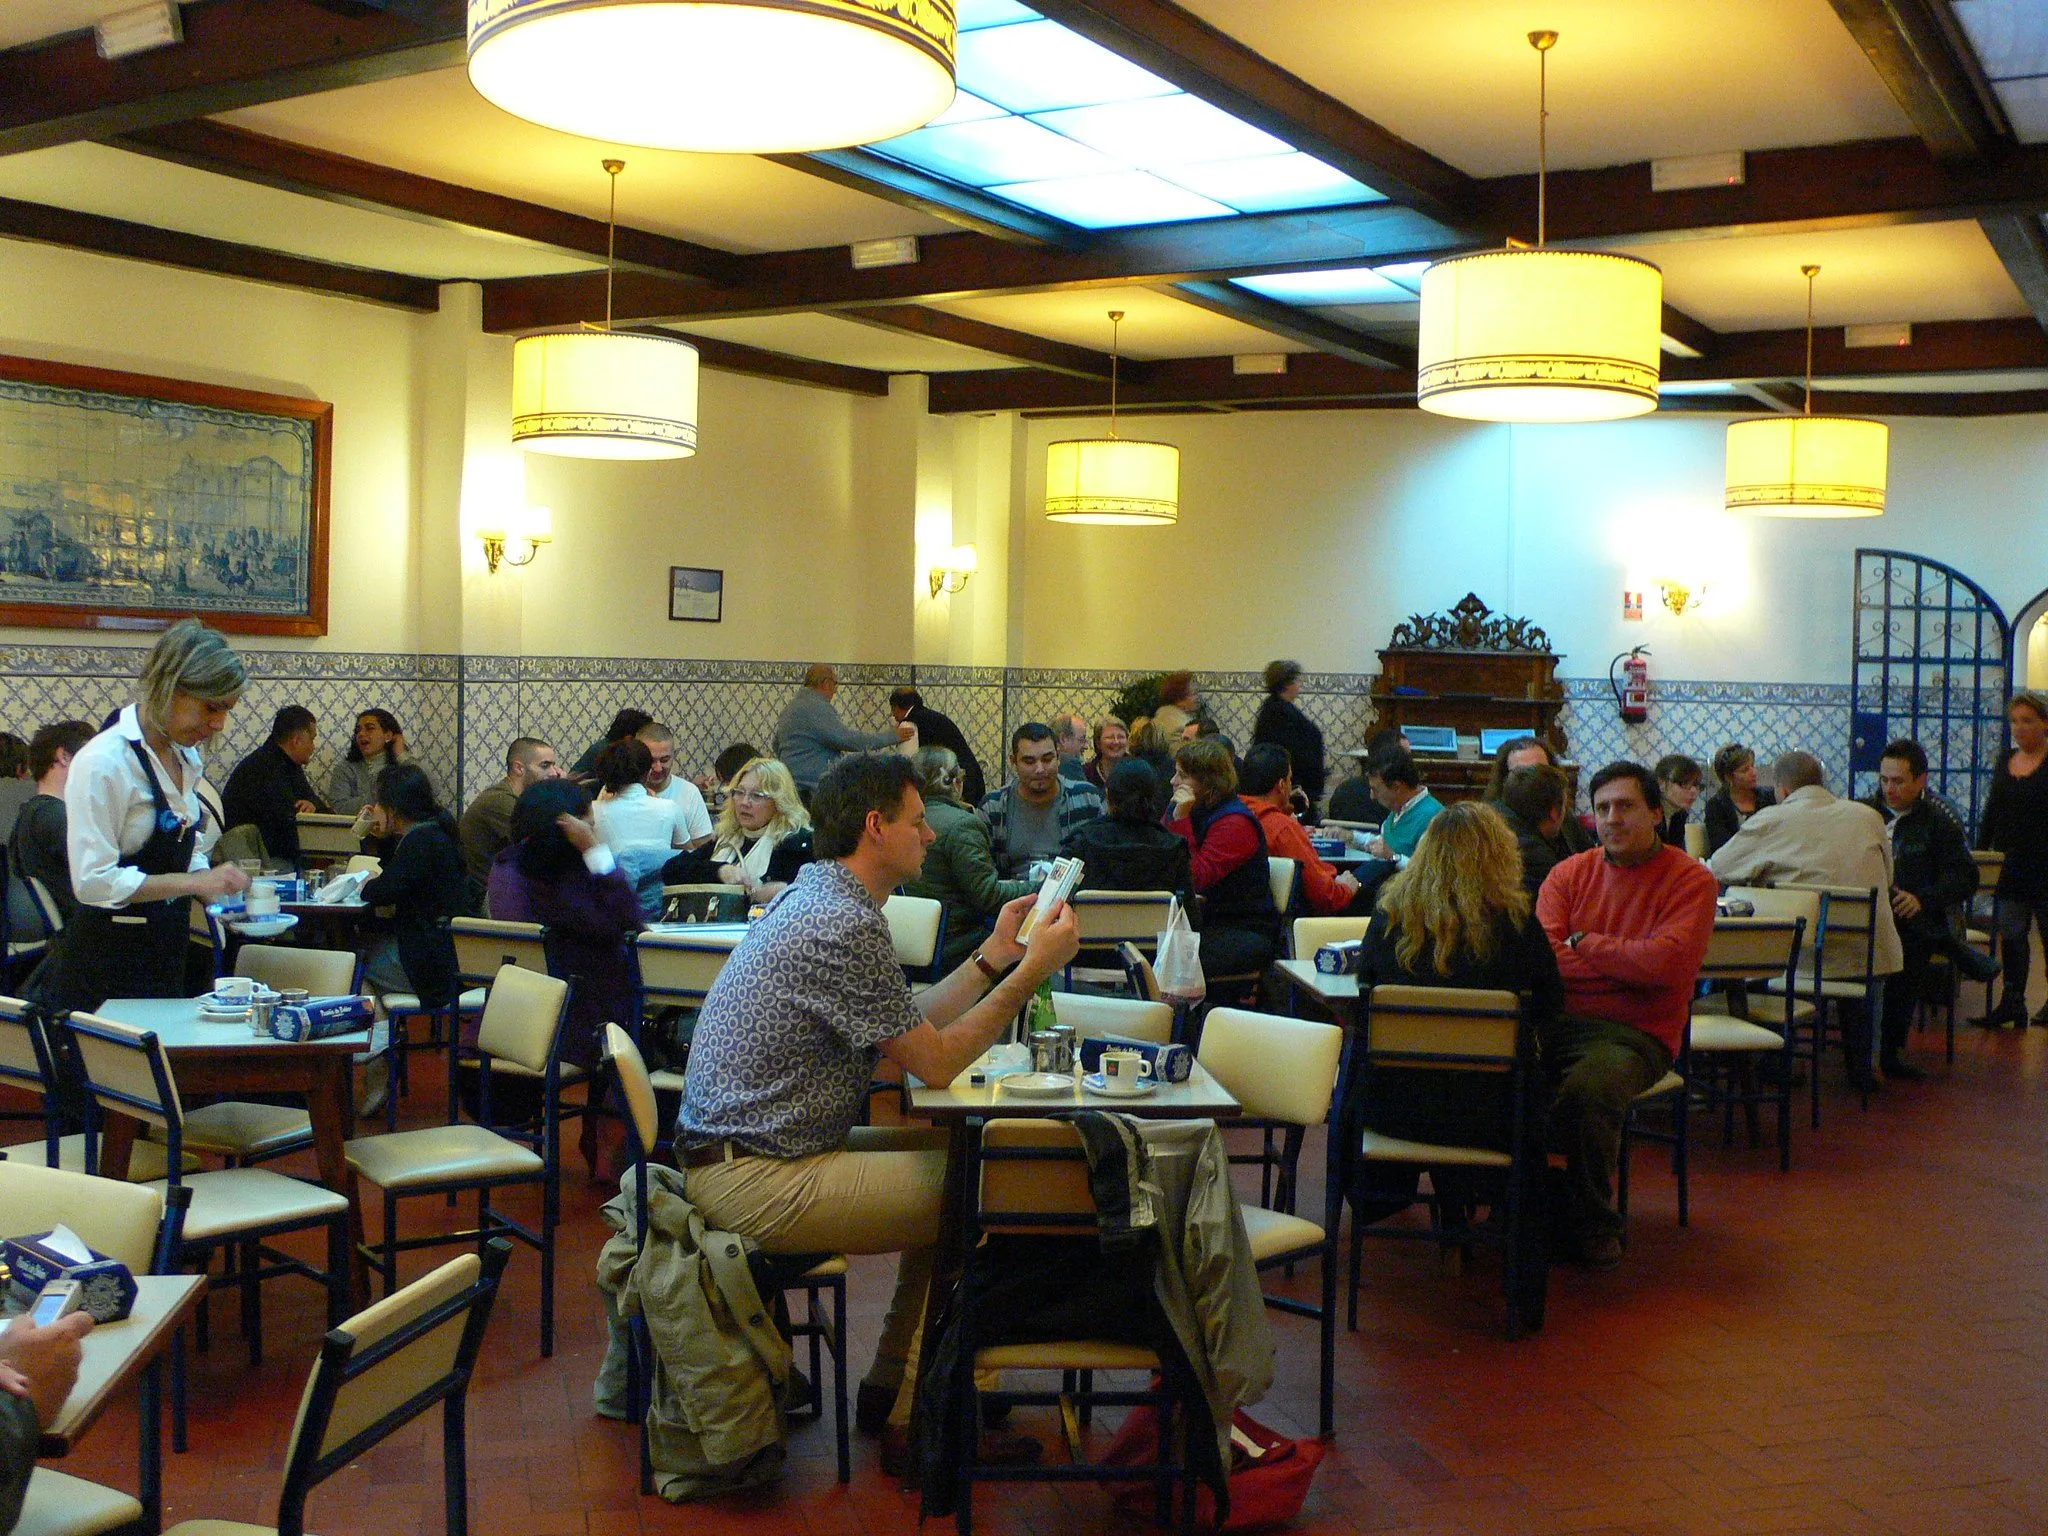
(1811, 273)
(1542, 42)
(611, 238)
(1116, 320)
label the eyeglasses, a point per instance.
(753, 796)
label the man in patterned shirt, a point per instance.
(788, 1038)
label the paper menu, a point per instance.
(1059, 884)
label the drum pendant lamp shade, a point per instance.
(1807, 466)
(591, 394)
(1112, 480)
(1542, 335)
(731, 76)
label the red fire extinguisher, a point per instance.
(1629, 676)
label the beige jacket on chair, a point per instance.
(1813, 838)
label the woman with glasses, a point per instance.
(763, 836)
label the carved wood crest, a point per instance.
(1470, 626)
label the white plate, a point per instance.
(1037, 1085)
(1094, 1084)
(209, 1014)
(265, 927)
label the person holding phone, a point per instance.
(38, 1368)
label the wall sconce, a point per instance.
(953, 569)
(517, 545)
(1681, 597)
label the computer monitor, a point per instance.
(1491, 741)
(1433, 739)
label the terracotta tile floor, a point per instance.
(1857, 1347)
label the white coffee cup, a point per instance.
(239, 989)
(1125, 1072)
(262, 900)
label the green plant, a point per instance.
(1138, 699)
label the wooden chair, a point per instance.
(327, 839)
(26, 1064)
(483, 947)
(1741, 951)
(1465, 1031)
(1286, 1070)
(377, 1372)
(522, 1023)
(1843, 968)
(1030, 1176)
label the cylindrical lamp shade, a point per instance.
(735, 76)
(1808, 466)
(605, 395)
(1112, 480)
(1540, 336)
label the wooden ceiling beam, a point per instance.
(759, 363)
(1295, 324)
(200, 253)
(921, 192)
(2021, 245)
(1209, 63)
(236, 53)
(234, 152)
(1688, 332)
(1931, 73)
(1180, 381)
(1938, 346)
(942, 325)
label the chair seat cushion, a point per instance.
(23, 948)
(440, 1154)
(471, 1001)
(1765, 1009)
(1720, 1032)
(1392, 1149)
(219, 1528)
(146, 1163)
(1851, 990)
(1273, 1233)
(233, 1200)
(1066, 1355)
(826, 1269)
(1670, 1082)
(61, 1505)
(247, 1130)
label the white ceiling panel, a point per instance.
(29, 21)
(828, 339)
(1155, 324)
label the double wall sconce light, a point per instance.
(520, 540)
(952, 569)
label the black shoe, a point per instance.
(1901, 1071)
(1600, 1251)
(871, 1405)
(2040, 1019)
(2011, 1011)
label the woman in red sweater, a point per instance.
(1227, 847)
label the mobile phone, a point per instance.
(58, 1298)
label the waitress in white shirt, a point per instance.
(138, 830)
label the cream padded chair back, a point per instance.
(522, 1017)
(635, 1085)
(1312, 933)
(18, 1063)
(483, 945)
(914, 926)
(1849, 946)
(1280, 875)
(402, 1376)
(322, 972)
(1990, 866)
(123, 1065)
(1783, 904)
(1277, 1068)
(1036, 1188)
(1443, 1021)
(1750, 949)
(680, 965)
(364, 861)
(1111, 917)
(119, 1220)
(1129, 1016)
(327, 835)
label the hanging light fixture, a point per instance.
(735, 76)
(592, 393)
(1112, 479)
(1808, 465)
(1540, 335)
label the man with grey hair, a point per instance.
(1812, 838)
(1070, 735)
(810, 737)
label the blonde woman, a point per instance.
(1457, 916)
(763, 835)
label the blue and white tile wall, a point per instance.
(459, 712)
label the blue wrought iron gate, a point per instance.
(1931, 661)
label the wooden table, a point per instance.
(230, 1059)
(115, 1355)
(324, 924)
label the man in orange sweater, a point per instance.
(1265, 782)
(1630, 921)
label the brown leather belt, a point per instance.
(716, 1152)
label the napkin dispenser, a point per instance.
(1340, 958)
(1170, 1063)
(109, 1289)
(319, 1017)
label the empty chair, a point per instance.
(1133, 1018)
(1793, 1008)
(25, 1064)
(1743, 950)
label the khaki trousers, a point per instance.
(880, 1194)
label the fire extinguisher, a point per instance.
(1629, 676)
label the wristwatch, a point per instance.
(981, 963)
(1573, 941)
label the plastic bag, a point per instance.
(1179, 961)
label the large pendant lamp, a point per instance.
(736, 76)
(1808, 465)
(603, 394)
(1112, 480)
(1532, 334)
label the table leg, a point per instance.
(117, 1144)
(949, 1258)
(331, 1105)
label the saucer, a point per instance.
(1037, 1085)
(1094, 1083)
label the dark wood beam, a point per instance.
(2000, 402)
(1784, 399)
(200, 253)
(1183, 381)
(941, 325)
(1182, 48)
(758, 362)
(236, 53)
(1938, 346)
(1295, 324)
(1688, 332)
(2022, 246)
(1931, 73)
(253, 157)
(921, 192)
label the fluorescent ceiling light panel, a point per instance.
(1270, 183)
(966, 108)
(976, 14)
(1407, 273)
(999, 149)
(1347, 285)
(2026, 107)
(1038, 66)
(1109, 202)
(1163, 130)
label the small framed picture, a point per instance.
(695, 594)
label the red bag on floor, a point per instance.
(1269, 1473)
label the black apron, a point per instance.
(132, 951)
